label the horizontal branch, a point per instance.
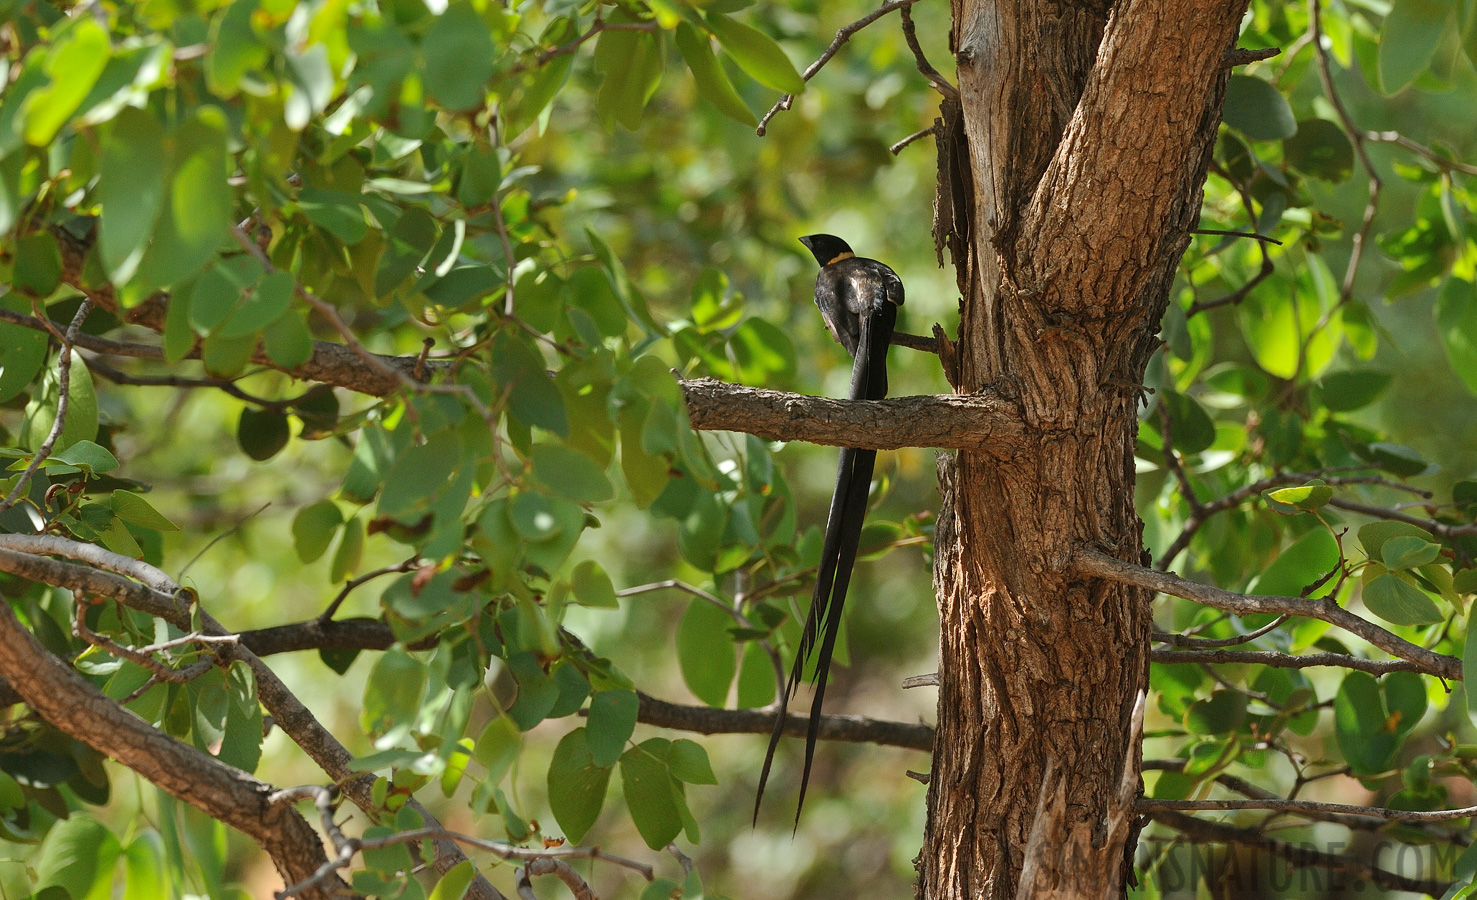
(850, 729)
(1201, 831)
(944, 421)
(1284, 660)
(1277, 804)
(1094, 563)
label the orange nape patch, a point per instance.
(838, 257)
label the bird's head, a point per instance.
(827, 248)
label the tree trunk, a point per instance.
(1071, 173)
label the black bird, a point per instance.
(859, 300)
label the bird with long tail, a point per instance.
(858, 299)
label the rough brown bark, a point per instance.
(1087, 133)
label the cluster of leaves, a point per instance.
(1278, 357)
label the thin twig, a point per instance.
(842, 36)
(939, 82)
(1275, 660)
(897, 148)
(1179, 640)
(63, 403)
(1374, 812)
(1246, 234)
(1395, 137)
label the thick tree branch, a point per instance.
(1277, 804)
(851, 729)
(952, 422)
(1158, 68)
(65, 699)
(1098, 564)
(1285, 660)
(1200, 831)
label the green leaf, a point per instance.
(459, 58)
(571, 473)
(537, 692)
(592, 587)
(313, 529)
(757, 54)
(78, 855)
(763, 352)
(1307, 498)
(419, 473)
(1408, 40)
(1191, 427)
(1469, 662)
(82, 415)
(1346, 391)
(1222, 713)
(705, 652)
(262, 433)
(261, 307)
(135, 510)
(74, 63)
(336, 212)
(1308, 559)
(1408, 552)
(612, 721)
(88, 456)
(453, 885)
(689, 763)
(408, 243)
(576, 786)
(38, 265)
(1362, 727)
(234, 49)
(651, 793)
(1395, 458)
(392, 696)
(1372, 536)
(1456, 321)
(1258, 110)
(349, 553)
(131, 188)
(198, 217)
(288, 342)
(1396, 600)
(712, 82)
(22, 350)
(631, 62)
(1320, 149)
(498, 747)
(148, 873)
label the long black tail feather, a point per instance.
(838, 550)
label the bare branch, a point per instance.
(63, 403)
(1285, 660)
(1297, 806)
(1095, 563)
(1199, 831)
(968, 422)
(852, 729)
(842, 36)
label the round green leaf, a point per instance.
(1346, 391)
(459, 55)
(592, 587)
(1256, 109)
(262, 433)
(1223, 712)
(392, 696)
(1408, 552)
(1320, 149)
(1396, 600)
(571, 473)
(1303, 499)
(22, 350)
